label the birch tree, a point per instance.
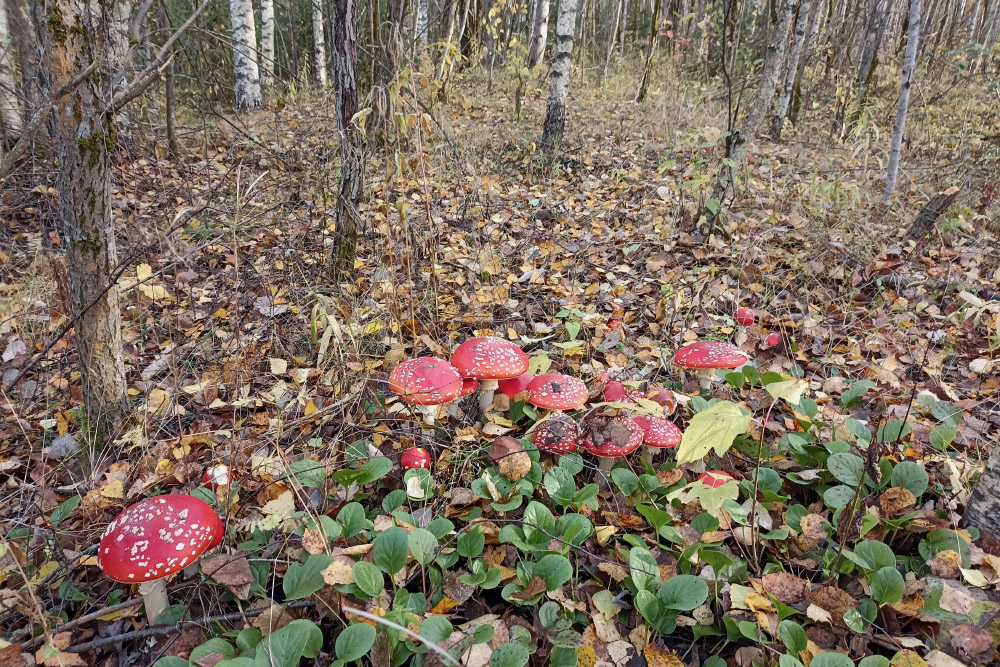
(909, 63)
(267, 42)
(247, 75)
(539, 32)
(983, 508)
(562, 62)
(344, 52)
(10, 105)
(650, 47)
(319, 43)
(791, 72)
(424, 21)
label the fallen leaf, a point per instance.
(812, 526)
(947, 564)
(509, 455)
(232, 571)
(785, 586)
(907, 658)
(536, 586)
(340, 571)
(896, 499)
(51, 654)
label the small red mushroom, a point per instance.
(488, 359)
(426, 382)
(658, 433)
(773, 339)
(217, 476)
(415, 457)
(558, 434)
(705, 356)
(744, 317)
(664, 397)
(611, 439)
(555, 391)
(514, 386)
(715, 478)
(616, 392)
(155, 538)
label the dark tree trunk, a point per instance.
(650, 47)
(352, 167)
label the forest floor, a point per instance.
(242, 350)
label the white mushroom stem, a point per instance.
(427, 413)
(154, 597)
(648, 453)
(604, 466)
(705, 376)
(486, 390)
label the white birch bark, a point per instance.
(909, 62)
(424, 21)
(791, 71)
(267, 42)
(247, 75)
(555, 110)
(621, 39)
(10, 105)
(319, 43)
(970, 25)
(992, 32)
(121, 61)
(539, 32)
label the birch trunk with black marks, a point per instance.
(909, 63)
(983, 508)
(319, 44)
(10, 105)
(739, 144)
(424, 21)
(266, 42)
(812, 30)
(791, 73)
(539, 32)
(84, 138)
(247, 75)
(650, 48)
(352, 168)
(562, 64)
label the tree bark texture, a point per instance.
(319, 43)
(650, 48)
(10, 105)
(424, 21)
(352, 167)
(562, 63)
(267, 42)
(168, 83)
(909, 62)
(247, 75)
(791, 71)
(983, 509)
(84, 138)
(812, 30)
(539, 32)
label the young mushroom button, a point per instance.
(707, 355)
(744, 317)
(415, 457)
(488, 359)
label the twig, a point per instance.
(399, 628)
(69, 625)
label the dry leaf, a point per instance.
(509, 455)
(896, 499)
(812, 526)
(340, 571)
(51, 655)
(232, 571)
(785, 586)
(274, 618)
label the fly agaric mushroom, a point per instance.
(514, 386)
(609, 439)
(664, 397)
(488, 359)
(555, 391)
(558, 434)
(415, 457)
(469, 386)
(744, 317)
(616, 392)
(707, 355)
(426, 382)
(715, 478)
(773, 339)
(657, 433)
(217, 476)
(155, 538)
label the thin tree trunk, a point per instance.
(621, 39)
(447, 51)
(928, 26)
(319, 43)
(983, 508)
(909, 62)
(539, 32)
(267, 42)
(84, 141)
(970, 25)
(991, 30)
(612, 38)
(555, 110)
(247, 85)
(166, 30)
(352, 168)
(792, 69)
(811, 31)
(650, 48)
(10, 105)
(424, 21)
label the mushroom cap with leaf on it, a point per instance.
(558, 434)
(426, 381)
(489, 358)
(613, 438)
(715, 478)
(555, 391)
(616, 392)
(658, 432)
(514, 386)
(664, 397)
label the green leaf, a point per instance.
(171, 661)
(375, 469)
(423, 545)
(643, 569)
(355, 641)
(887, 586)
(352, 518)
(572, 328)
(943, 435)
(831, 659)
(847, 468)
(304, 579)
(308, 473)
(368, 578)
(712, 205)
(648, 605)
(436, 629)
(793, 636)
(390, 550)
(509, 655)
(472, 542)
(625, 480)
(874, 661)
(65, 508)
(563, 656)
(286, 646)
(556, 570)
(874, 555)
(714, 428)
(838, 496)
(910, 475)
(684, 592)
(214, 645)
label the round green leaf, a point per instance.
(423, 545)
(847, 468)
(874, 555)
(831, 659)
(368, 578)
(556, 570)
(684, 592)
(509, 655)
(355, 641)
(793, 636)
(436, 629)
(910, 475)
(838, 496)
(887, 586)
(390, 550)
(874, 661)
(471, 543)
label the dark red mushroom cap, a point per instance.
(555, 391)
(715, 478)
(773, 339)
(415, 457)
(559, 435)
(489, 358)
(710, 354)
(426, 381)
(664, 397)
(616, 392)
(514, 386)
(658, 432)
(744, 317)
(469, 386)
(618, 437)
(158, 536)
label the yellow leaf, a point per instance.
(340, 571)
(310, 408)
(143, 271)
(604, 534)
(713, 428)
(44, 571)
(539, 364)
(789, 390)
(278, 366)
(115, 489)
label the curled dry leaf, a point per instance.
(835, 601)
(896, 499)
(510, 457)
(535, 587)
(232, 571)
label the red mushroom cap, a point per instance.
(664, 397)
(555, 391)
(216, 476)
(616, 392)
(514, 386)
(415, 457)
(426, 381)
(469, 386)
(559, 435)
(773, 339)
(158, 536)
(715, 478)
(710, 354)
(617, 430)
(489, 358)
(658, 432)
(744, 317)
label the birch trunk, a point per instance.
(983, 508)
(621, 38)
(267, 42)
(612, 38)
(909, 62)
(650, 48)
(319, 43)
(83, 140)
(739, 144)
(811, 34)
(785, 98)
(10, 105)
(970, 25)
(539, 32)
(991, 29)
(247, 76)
(555, 110)
(352, 167)
(424, 21)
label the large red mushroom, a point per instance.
(705, 356)
(488, 359)
(555, 391)
(609, 439)
(657, 433)
(426, 382)
(558, 434)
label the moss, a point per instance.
(56, 25)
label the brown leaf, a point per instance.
(273, 619)
(510, 457)
(381, 653)
(52, 654)
(896, 499)
(835, 601)
(972, 643)
(313, 541)
(210, 660)
(785, 586)
(455, 589)
(535, 587)
(907, 658)
(812, 526)
(947, 564)
(232, 571)
(10, 656)
(910, 605)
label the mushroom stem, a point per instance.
(427, 418)
(648, 453)
(154, 598)
(604, 466)
(705, 377)
(486, 391)
(452, 409)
